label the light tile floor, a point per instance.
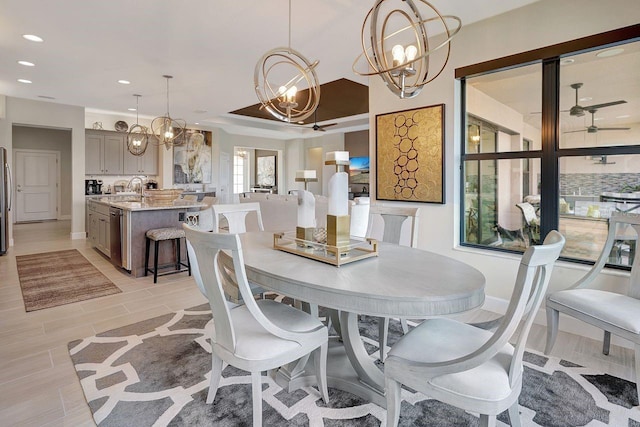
(38, 385)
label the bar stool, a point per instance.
(159, 235)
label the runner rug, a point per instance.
(55, 278)
(155, 373)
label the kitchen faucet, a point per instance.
(130, 186)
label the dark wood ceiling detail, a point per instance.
(339, 98)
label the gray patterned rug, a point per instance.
(155, 373)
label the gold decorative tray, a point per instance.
(335, 255)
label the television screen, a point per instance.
(359, 170)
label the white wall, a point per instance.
(58, 116)
(537, 25)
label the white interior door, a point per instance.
(36, 184)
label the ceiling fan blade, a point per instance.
(327, 125)
(606, 104)
(574, 131)
(613, 128)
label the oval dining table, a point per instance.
(400, 282)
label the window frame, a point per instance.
(549, 57)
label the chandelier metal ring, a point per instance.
(404, 78)
(138, 135)
(272, 99)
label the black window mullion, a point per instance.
(549, 189)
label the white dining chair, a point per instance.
(235, 214)
(233, 218)
(259, 335)
(612, 312)
(397, 225)
(476, 370)
(190, 197)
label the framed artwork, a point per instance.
(266, 171)
(192, 160)
(410, 155)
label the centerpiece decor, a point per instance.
(338, 210)
(306, 206)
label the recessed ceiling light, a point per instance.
(33, 38)
(624, 116)
(131, 109)
(24, 81)
(26, 63)
(567, 61)
(124, 82)
(610, 52)
(196, 123)
(45, 97)
(586, 98)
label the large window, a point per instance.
(552, 141)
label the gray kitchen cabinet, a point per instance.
(147, 164)
(99, 227)
(104, 152)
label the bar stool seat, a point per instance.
(159, 235)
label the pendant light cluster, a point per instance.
(290, 68)
(138, 136)
(170, 132)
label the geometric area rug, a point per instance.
(55, 278)
(156, 373)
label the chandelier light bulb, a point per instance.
(411, 52)
(168, 133)
(398, 54)
(282, 90)
(291, 94)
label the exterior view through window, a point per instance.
(519, 184)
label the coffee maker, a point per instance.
(92, 186)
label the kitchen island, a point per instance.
(117, 228)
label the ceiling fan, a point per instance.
(593, 128)
(578, 110)
(316, 126)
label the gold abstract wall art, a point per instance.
(410, 155)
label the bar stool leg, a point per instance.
(146, 255)
(155, 262)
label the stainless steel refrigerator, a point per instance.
(5, 200)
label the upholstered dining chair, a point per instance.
(259, 335)
(397, 225)
(613, 312)
(470, 368)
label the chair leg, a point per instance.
(256, 395)
(514, 415)
(383, 332)
(392, 388)
(487, 420)
(552, 328)
(606, 343)
(177, 243)
(155, 261)
(637, 356)
(320, 362)
(216, 372)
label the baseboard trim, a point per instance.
(566, 324)
(78, 235)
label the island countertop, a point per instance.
(147, 205)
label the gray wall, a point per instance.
(36, 138)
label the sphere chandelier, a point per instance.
(169, 131)
(138, 136)
(398, 47)
(290, 67)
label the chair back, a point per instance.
(235, 215)
(398, 225)
(618, 220)
(209, 200)
(528, 212)
(199, 220)
(190, 197)
(536, 266)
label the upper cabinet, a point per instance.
(147, 164)
(106, 154)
